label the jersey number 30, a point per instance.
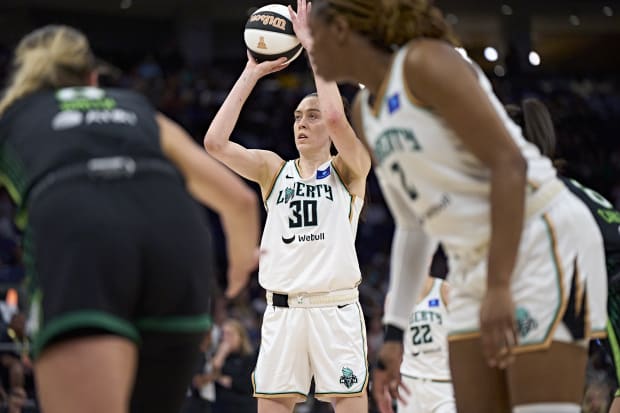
(304, 214)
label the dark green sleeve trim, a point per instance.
(84, 319)
(176, 324)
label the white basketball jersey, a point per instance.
(309, 236)
(425, 341)
(429, 169)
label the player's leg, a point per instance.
(549, 381)
(350, 404)
(411, 402)
(166, 362)
(83, 289)
(282, 375)
(337, 346)
(488, 392)
(560, 292)
(279, 405)
(87, 374)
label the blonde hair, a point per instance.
(48, 58)
(389, 23)
(246, 345)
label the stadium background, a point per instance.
(186, 54)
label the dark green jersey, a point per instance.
(607, 218)
(50, 129)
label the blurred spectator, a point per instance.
(15, 363)
(202, 389)
(233, 363)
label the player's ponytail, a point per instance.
(537, 125)
(48, 58)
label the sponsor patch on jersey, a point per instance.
(393, 103)
(322, 174)
(434, 302)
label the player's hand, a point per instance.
(239, 271)
(264, 68)
(387, 384)
(498, 326)
(300, 23)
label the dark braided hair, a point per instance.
(389, 23)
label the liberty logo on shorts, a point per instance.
(525, 322)
(348, 378)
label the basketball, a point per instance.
(269, 34)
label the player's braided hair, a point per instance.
(389, 23)
(50, 57)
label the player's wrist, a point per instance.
(393, 333)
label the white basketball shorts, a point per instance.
(559, 285)
(427, 396)
(297, 344)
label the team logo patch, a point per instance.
(289, 193)
(525, 322)
(348, 378)
(321, 174)
(433, 302)
(393, 103)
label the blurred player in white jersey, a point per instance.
(425, 368)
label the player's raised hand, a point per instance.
(300, 23)
(266, 67)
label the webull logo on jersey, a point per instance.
(393, 140)
(304, 238)
(305, 191)
(72, 118)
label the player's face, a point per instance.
(231, 336)
(309, 128)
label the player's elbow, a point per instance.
(247, 199)
(334, 119)
(513, 165)
(212, 144)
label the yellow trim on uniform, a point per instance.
(441, 297)
(296, 395)
(11, 188)
(273, 183)
(466, 335)
(351, 196)
(580, 291)
(533, 184)
(21, 216)
(341, 395)
(563, 299)
(601, 334)
(298, 168)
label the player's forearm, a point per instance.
(226, 118)
(507, 214)
(412, 251)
